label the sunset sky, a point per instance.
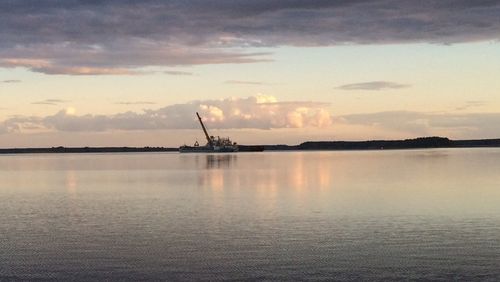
(133, 73)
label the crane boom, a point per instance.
(204, 130)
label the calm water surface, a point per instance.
(374, 215)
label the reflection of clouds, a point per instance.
(324, 175)
(215, 180)
(430, 154)
(71, 183)
(297, 176)
(214, 176)
(307, 173)
(267, 188)
(272, 181)
(303, 172)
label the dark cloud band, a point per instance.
(117, 37)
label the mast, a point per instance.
(204, 130)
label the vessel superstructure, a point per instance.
(213, 144)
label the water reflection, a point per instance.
(213, 179)
(307, 173)
(213, 176)
(423, 214)
(301, 173)
(210, 161)
(71, 182)
(220, 161)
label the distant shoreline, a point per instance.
(417, 143)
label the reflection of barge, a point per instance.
(213, 144)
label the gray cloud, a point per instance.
(260, 112)
(51, 102)
(135, 103)
(470, 104)
(373, 85)
(174, 72)
(118, 60)
(467, 125)
(11, 81)
(245, 82)
(120, 37)
(403, 121)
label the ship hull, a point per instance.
(206, 149)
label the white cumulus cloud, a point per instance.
(257, 112)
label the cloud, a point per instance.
(466, 125)
(136, 103)
(117, 59)
(11, 81)
(49, 67)
(52, 102)
(246, 82)
(470, 104)
(85, 71)
(265, 112)
(257, 112)
(403, 121)
(121, 37)
(174, 72)
(373, 85)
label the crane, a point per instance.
(209, 140)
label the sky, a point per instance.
(133, 73)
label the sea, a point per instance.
(381, 215)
